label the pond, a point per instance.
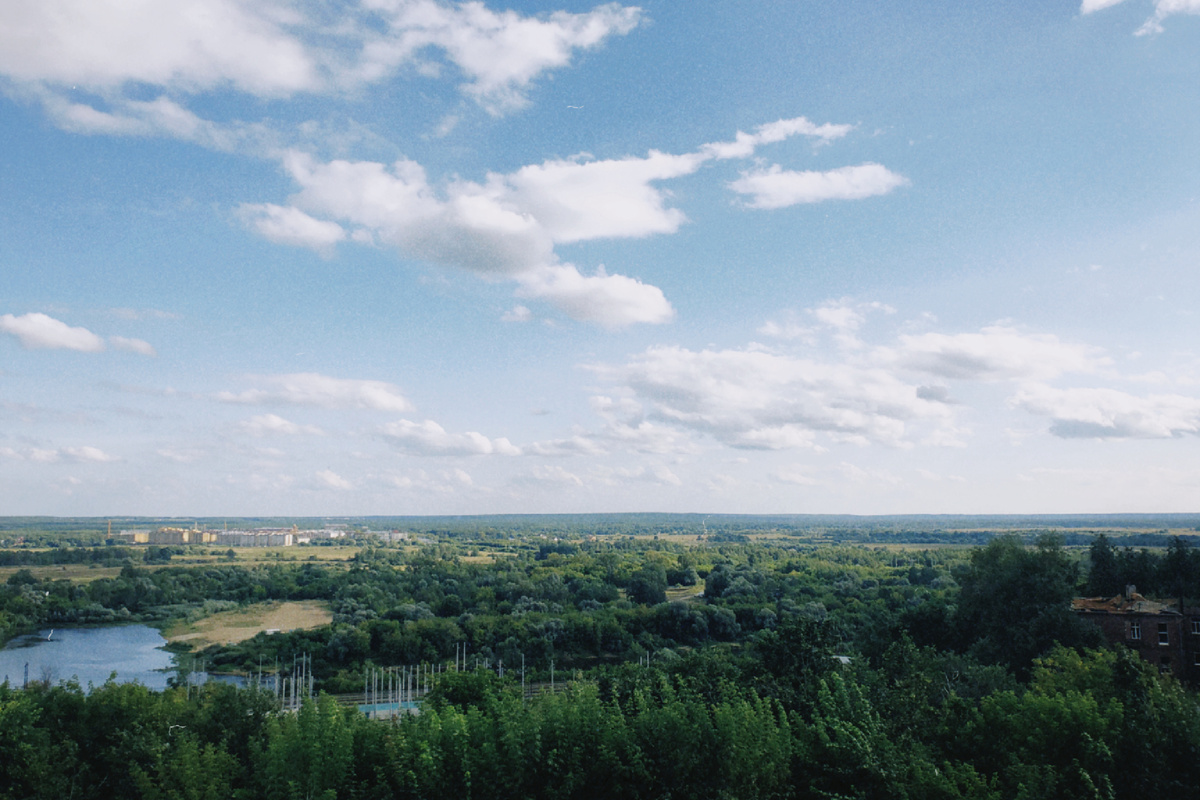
(89, 655)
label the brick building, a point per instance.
(1159, 632)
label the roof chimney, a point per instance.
(1130, 590)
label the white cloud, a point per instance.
(180, 457)
(38, 331)
(627, 429)
(328, 479)
(579, 200)
(571, 446)
(135, 314)
(517, 314)
(554, 475)
(1100, 413)
(112, 51)
(797, 476)
(1089, 6)
(1167, 8)
(1162, 10)
(745, 144)
(787, 330)
(194, 45)
(87, 454)
(995, 353)
(485, 228)
(507, 225)
(609, 300)
(500, 53)
(430, 439)
(767, 401)
(267, 424)
(286, 225)
(312, 389)
(776, 187)
(476, 227)
(660, 474)
(133, 345)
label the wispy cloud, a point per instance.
(268, 424)
(312, 389)
(1162, 10)
(139, 346)
(328, 479)
(85, 454)
(775, 187)
(430, 439)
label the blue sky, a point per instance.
(422, 257)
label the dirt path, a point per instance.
(231, 627)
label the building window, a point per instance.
(1164, 636)
(1135, 630)
(1196, 658)
(1196, 627)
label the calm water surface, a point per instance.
(89, 655)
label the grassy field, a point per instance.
(80, 573)
(230, 627)
(678, 593)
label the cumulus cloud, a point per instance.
(190, 44)
(578, 200)
(609, 300)
(312, 389)
(500, 53)
(38, 331)
(430, 439)
(508, 225)
(111, 51)
(995, 353)
(776, 187)
(286, 225)
(1101, 413)
(492, 229)
(761, 400)
(268, 424)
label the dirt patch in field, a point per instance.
(231, 627)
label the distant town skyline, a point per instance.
(414, 257)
